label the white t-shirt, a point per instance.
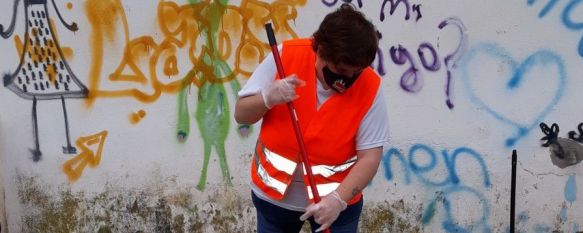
(372, 132)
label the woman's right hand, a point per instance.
(281, 91)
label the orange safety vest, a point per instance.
(329, 133)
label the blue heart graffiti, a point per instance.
(518, 71)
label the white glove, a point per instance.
(326, 211)
(281, 91)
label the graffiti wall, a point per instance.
(117, 115)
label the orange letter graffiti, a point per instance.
(88, 156)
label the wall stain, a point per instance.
(58, 216)
(58, 209)
(154, 210)
(390, 217)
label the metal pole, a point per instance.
(513, 192)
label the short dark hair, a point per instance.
(345, 36)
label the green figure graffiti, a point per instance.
(212, 110)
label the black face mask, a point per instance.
(339, 83)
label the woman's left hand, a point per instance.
(326, 211)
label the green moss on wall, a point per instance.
(390, 217)
(155, 210)
(56, 215)
(63, 211)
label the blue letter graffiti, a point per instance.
(451, 184)
(542, 57)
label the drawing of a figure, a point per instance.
(212, 112)
(43, 72)
(213, 73)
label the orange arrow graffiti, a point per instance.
(75, 166)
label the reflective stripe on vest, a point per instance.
(323, 189)
(279, 162)
(282, 164)
(327, 171)
(271, 182)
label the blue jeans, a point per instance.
(274, 219)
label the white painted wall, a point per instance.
(146, 178)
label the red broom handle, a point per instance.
(293, 115)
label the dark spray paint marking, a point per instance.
(409, 80)
(452, 59)
(380, 59)
(332, 3)
(436, 65)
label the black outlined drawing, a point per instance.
(577, 137)
(565, 152)
(43, 73)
